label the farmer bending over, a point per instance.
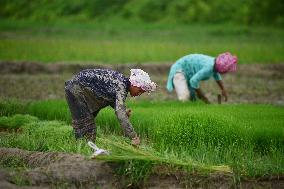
(189, 70)
(93, 89)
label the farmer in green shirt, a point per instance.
(187, 72)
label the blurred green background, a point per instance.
(132, 31)
(183, 11)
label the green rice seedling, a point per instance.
(229, 137)
(12, 107)
(136, 171)
(16, 121)
(50, 110)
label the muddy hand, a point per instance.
(135, 141)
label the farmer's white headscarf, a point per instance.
(141, 79)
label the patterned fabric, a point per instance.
(104, 83)
(85, 128)
(141, 79)
(196, 68)
(82, 120)
(91, 90)
(226, 62)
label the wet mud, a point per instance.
(63, 170)
(252, 83)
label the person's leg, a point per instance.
(85, 128)
(181, 87)
(82, 120)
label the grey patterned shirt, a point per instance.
(110, 86)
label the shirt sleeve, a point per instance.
(217, 76)
(120, 111)
(196, 78)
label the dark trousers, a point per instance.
(82, 119)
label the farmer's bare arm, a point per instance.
(201, 95)
(223, 90)
(194, 83)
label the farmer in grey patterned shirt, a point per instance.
(93, 89)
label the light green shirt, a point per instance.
(196, 68)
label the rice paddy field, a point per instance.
(117, 42)
(240, 140)
(238, 144)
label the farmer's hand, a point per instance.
(225, 95)
(135, 141)
(128, 112)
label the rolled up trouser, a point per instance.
(82, 119)
(183, 91)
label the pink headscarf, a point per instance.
(226, 62)
(141, 79)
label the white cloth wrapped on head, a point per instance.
(140, 78)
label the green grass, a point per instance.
(17, 121)
(119, 42)
(245, 139)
